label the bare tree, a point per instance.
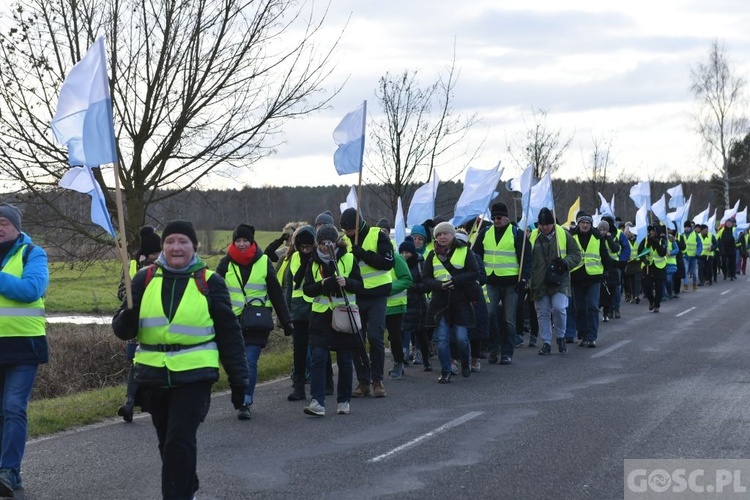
(541, 146)
(599, 164)
(419, 131)
(719, 91)
(199, 87)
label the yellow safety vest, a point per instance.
(691, 244)
(592, 259)
(294, 265)
(371, 277)
(184, 343)
(500, 256)
(133, 268)
(615, 255)
(657, 260)
(400, 298)
(20, 319)
(322, 303)
(562, 241)
(255, 288)
(671, 259)
(457, 260)
(706, 244)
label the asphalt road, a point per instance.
(669, 385)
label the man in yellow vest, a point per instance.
(655, 264)
(182, 316)
(23, 343)
(587, 276)
(693, 249)
(374, 254)
(501, 247)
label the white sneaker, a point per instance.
(475, 365)
(342, 409)
(315, 408)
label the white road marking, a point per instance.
(725, 292)
(610, 349)
(684, 312)
(453, 423)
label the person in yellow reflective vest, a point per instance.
(300, 306)
(744, 239)
(673, 253)
(552, 249)
(500, 247)
(146, 255)
(587, 276)
(328, 281)
(655, 262)
(710, 246)
(23, 341)
(251, 281)
(185, 325)
(693, 249)
(727, 249)
(451, 273)
(374, 254)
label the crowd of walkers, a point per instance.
(455, 295)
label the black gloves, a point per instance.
(238, 397)
(285, 236)
(560, 263)
(288, 330)
(521, 287)
(358, 251)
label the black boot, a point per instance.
(126, 410)
(298, 393)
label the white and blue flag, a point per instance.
(349, 136)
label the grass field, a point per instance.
(91, 288)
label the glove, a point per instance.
(521, 287)
(238, 397)
(288, 330)
(358, 252)
(560, 263)
(285, 236)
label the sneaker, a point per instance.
(126, 411)
(243, 413)
(445, 378)
(592, 343)
(342, 409)
(362, 390)
(454, 367)
(605, 319)
(397, 371)
(475, 365)
(650, 305)
(656, 309)
(695, 287)
(315, 409)
(583, 343)
(520, 342)
(545, 350)
(465, 370)
(418, 358)
(684, 288)
(561, 347)
(7, 482)
(493, 359)
(532, 341)
(298, 394)
(427, 367)
(506, 360)
(378, 389)
(617, 314)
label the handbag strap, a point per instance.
(242, 288)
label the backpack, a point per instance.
(199, 277)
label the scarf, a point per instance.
(441, 251)
(241, 257)
(162, 261)
(324, 257)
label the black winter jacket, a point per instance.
(456, 304)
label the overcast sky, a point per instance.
(600, 69)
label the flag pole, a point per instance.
(123, 236)
(361, 167)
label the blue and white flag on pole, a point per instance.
(641, 194)
(730, 212)
(349, 136)
(479, 187)
(660, 208)
(422, 206)
(83, 120)
(676, 197)
(400, 225)
(82, 179)
(702, 218)
(351, 201)
(641, 224)
(680, 215)
(712, 223)
(605, 208)
(540, 196)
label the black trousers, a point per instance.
(176, 413)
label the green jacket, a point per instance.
(401, 282)
(543, 253)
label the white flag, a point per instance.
(660, 208)
(605, 208)
(730, 212)
(479, 187)
(641, 194)
(702, 218)
(422, 206)
(400, 224)
(677, 199)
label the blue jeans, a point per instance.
(691, 266)
(506, 320)
(587, 310)
(552, 309)
(443, 336)
(16, 382)
(318, 375)
(253, 353)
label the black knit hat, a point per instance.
(244, 231)
(407, 246)
(326, 232)
(180, 227)
(150, 241)
(384, 224)
(545, 217)
(348, 219)
(499, 210)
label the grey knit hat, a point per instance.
(12, 213)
